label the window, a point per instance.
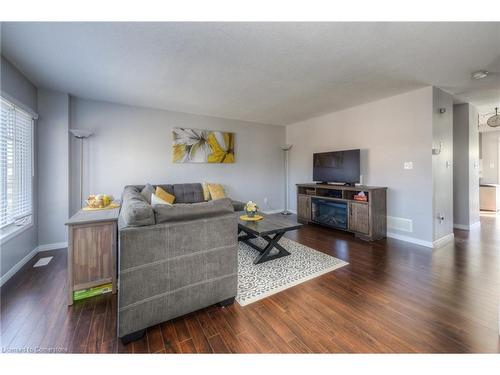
(16, 164)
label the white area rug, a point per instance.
(256, 282)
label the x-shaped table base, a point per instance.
(271, 251)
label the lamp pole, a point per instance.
(286, 150)
(81, 135)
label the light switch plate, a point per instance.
(408, 165)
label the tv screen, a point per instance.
(336, 166)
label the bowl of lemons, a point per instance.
(99, 201)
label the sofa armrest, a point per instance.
(238, 206)
(173, 268)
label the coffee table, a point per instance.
(271, 228)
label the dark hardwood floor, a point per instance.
(392, 297)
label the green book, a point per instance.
(91, 292)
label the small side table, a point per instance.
(92, 250)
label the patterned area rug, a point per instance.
(256, 282)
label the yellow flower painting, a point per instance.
(202, 146)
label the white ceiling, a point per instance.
(274, 73)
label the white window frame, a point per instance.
(18, 224)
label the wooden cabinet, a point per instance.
(93, 254)
(303, 208)
(366, 219)
(92, 250)
(359, 219)
(489, 197)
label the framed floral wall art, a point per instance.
(202, 146)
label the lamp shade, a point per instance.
(78, 133)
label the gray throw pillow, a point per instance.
(147, 191)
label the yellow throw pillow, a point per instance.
(206, 192)
(162, 194)
(155, 199)
(216, 191)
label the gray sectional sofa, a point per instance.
(173, 259)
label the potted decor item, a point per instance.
(251, 208)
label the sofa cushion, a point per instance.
(131, 191)
(182, 212)
(147, 191)
(187, 193)
(135, 210)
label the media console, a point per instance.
(334, 206)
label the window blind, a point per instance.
(16, 163)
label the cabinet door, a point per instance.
(92, 262)
(359, 220)
(304, 207)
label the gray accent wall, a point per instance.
(133, 145)
(14, 85)
(442, 164)
(389, 133)
(17, 87)
(53, 180)
(466, 166)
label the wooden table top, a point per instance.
(270, 224)
(89, 217)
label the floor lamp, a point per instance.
(81, 135)
(286, 149)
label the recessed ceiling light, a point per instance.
(480, 74)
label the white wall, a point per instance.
(15, 86)
(442, 164)
(132, 145)
(53, 146)
(388, 132)
(490, 156)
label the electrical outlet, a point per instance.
(408, 165)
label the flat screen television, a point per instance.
(337, 166)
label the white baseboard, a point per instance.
(52, 246)
(443, 240)
(18, 266)
(409, 239)
(433, 245)
(28, 257)
(461, 226)
(477, 224)
(467, 227)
